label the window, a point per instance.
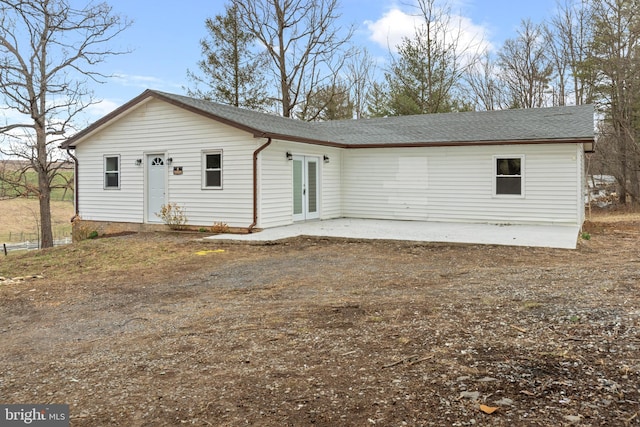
(509, 175)
(112, 172)
(212, 177)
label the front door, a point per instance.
(305, 188)
(156, 181)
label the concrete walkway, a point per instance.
(564, 237)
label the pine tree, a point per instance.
(231, 71)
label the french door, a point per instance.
(305, 188)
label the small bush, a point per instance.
(173, 215)
(219, 228)
(585, 236)
(80, 230)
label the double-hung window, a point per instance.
(112, 172)
(212, 169)
(509, 174)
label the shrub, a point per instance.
(173, 215)
(219, 228)
(80, 230)
(586, 236)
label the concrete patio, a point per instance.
(564, 237)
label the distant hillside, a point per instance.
(19, 164)
(28, 186)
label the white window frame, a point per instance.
(496, 176)
(105, 172)
(205, 170)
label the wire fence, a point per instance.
(32, 245)
(59, 233)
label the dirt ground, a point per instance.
(164, 329)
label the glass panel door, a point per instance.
(312, 187)
(298, 189)
(305, 188)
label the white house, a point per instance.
(252, 170)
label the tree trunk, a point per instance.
(44, 189)
(46, 233)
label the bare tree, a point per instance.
(304, 43)
(48, 50)
(559, 56)
(485, 85)
(614, 57)
(568, 36)
(360, 75)
(526, 67)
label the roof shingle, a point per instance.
(523, 125)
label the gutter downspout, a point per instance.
(255, 184)
(75, 184)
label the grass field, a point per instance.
(19, 219)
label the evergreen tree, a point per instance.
(378, 100)
(426, 74)
(231, 71)
(328, 103)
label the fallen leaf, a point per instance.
(488, 409)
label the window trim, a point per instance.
(495, 176)
(205, 170)
(105, 172)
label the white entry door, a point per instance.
(156, 182)
(305, 188)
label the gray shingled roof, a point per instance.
(555, 123)
(484, 126)
(541, 124)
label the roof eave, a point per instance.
(303, 140)
(580, 140)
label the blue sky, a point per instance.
(165, 34)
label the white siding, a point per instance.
(581, 181)
(429, 184)
(160, 127)
(276, 186)
(456, 184)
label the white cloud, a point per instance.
(137, 81)
(396, 24)
(102, 108)
(144, 82)
(389, 30)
